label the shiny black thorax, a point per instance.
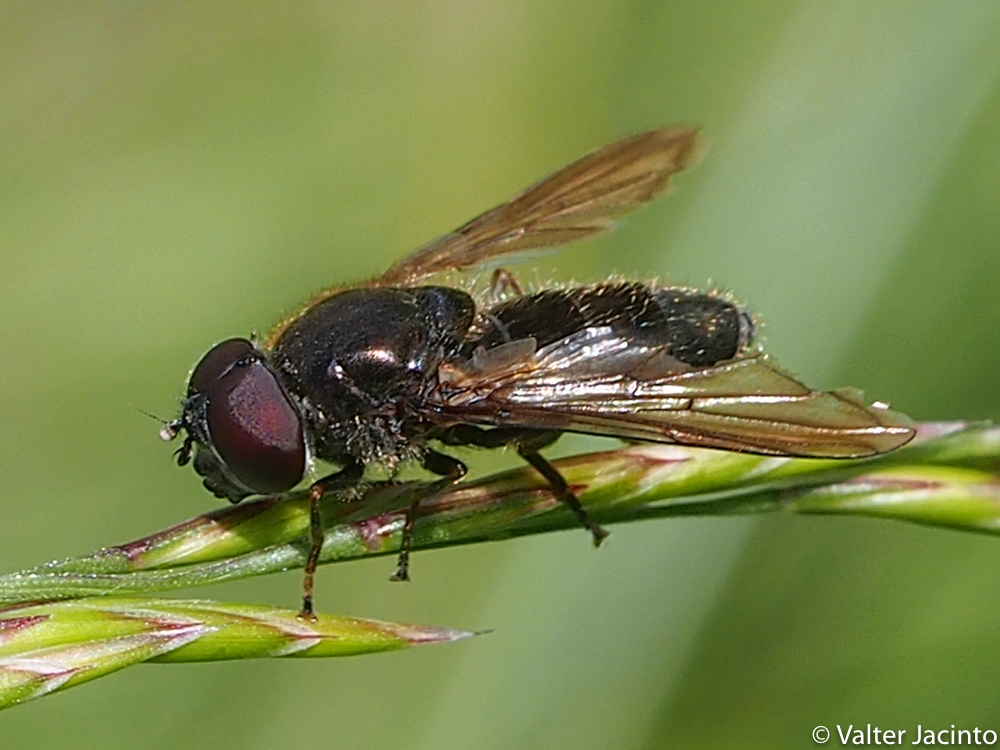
(362, 362)
(697, 329)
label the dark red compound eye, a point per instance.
(253, 426)
(216, 362)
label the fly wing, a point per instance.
(578, 201)
(596, 382)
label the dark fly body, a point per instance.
(388, 371)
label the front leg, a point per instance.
(344, 479)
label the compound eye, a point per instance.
(253, 425)
(216, 362)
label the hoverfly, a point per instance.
(385, 371)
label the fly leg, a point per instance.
(503, 282)
(346, 478)
(528, 444)
(452, 470)
(563, 492)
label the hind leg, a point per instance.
(528, 443)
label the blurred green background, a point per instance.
(175, 173)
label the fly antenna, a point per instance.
(168, 429)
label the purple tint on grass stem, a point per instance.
(218, 522)
(11, 626)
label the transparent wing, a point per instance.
(579, 200)
(595, 382)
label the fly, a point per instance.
(387, 371)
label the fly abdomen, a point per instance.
(703, 329)
(697, 329)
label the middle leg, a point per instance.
(452, 470)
